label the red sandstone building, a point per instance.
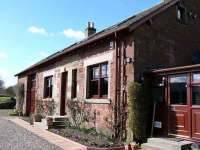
(98, 69)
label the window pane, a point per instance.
(48, 87)
(93, 88)
(95, 72)
(104, 70)
(178, 90)
(74, 83)
(196, 77)
(178, 79)
(104, 86)
(196, 95)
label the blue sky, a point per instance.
(30, 30)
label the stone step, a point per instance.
(168, 144)
(61, 119)
(44, 121)
(59, 123)
(40, 125)
(148, 146)
(58, 127)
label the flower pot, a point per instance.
(133, 146)
(49, 122)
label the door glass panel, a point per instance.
(196, 77)
(178, 90)
(196, 95)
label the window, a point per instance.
(48, 87)
(178, 90)
(182, 15)
(98, 81)
(74, 83)
(196, 89)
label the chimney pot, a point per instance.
(90, 30)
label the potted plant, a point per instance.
(49, 122)
(196, 146)
(134, 146)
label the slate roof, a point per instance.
(133, 21)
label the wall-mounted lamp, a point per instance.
(129, 60)
(162, 82)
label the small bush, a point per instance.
(14, 113)
(38, 117)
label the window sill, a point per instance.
(47, 99)
(98, 101)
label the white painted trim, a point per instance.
(48, 73)
(102, 57)
(98, 101)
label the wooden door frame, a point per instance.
(191, 105)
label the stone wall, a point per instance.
(103, 108)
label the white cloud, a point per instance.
(70, 33)
(3, 73)
(3, 55)
(43, 54)
(7, 77)
(37, 30)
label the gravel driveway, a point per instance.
(14, 137)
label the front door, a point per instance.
(31, 94)
(184, 105)
(179, 111)
(63, 93)
(195, 105)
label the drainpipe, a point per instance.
(120, 84)
(116, 84)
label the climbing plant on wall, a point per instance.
(138, 109)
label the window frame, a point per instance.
(172, 102)
(99, 80)
(48, 91)
(182, 15)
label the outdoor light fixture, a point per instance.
(162, 83)
(129, 60)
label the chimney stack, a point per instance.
(90, 30)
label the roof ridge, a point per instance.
(105, 32)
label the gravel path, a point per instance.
(14, 137)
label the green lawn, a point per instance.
(4, 99)
(5, 112)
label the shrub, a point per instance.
(13, 113)
(138, 109)
(196, 146)
(20, 96)
(45, 108)
(78, 113)
(38, 117)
